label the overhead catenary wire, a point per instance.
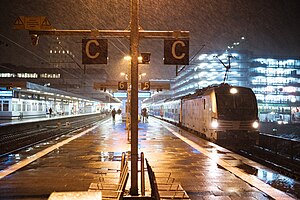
(93, 12)
(192, 58)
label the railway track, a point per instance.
(281, 154)
(13, 141)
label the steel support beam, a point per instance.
(134, 47)
(113, 33)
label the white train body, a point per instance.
(220, 113)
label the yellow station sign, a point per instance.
(32, 23)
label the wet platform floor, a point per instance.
(203, 169)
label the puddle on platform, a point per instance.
(110, 156)
(280, 182)
(274, 179)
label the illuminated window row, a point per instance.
(276, 89)
(279, 63)
(273, 80)
(45, 75)
(276, 98)
(29, 75)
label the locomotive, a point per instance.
(222, 113)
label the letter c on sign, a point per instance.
(87, 49)
(174, 50)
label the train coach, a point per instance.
(223, 113)
(31, 100)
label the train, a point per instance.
(34, 101)
(221, 113)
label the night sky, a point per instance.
(271, 28)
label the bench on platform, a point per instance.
(166, 190)
(115, 191)
(111, 190)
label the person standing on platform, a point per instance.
(113, 114)
(50, 112)
(144, 114)
(119, 111)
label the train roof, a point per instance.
(221, 88)
(33, 88)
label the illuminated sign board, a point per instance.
(6, 93)
(94, 51)
(176, 52)
(124, 94)
(144, 94)
(120, 95)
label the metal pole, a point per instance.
(142, 174)
(128, 123)
(134, 45)
(123, 160)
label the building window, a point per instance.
(46, 75)
(7, 75)
(27, 75)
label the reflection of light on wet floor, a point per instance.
(196, 151)
(28, 160)
(110, 156)
(276, 179)
(214, 155)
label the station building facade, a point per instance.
(274, 80)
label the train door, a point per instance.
(188, 116)
(197, 114)
(183, 112)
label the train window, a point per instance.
(18, 107)
(34, 106)
(14, 106)
(40, 106)
(244, 101)
(0, 105)
(5, 105)
(24, 106)
(28, 106)
(225, 101)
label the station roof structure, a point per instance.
(35, 88)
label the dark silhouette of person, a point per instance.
(144, 114)
(50, 112)
(113, 114)
(119, 111)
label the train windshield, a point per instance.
(237, 107)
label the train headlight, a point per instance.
(255, 124)
(233, 91)
(214, 123)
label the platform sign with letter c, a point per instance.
(94, 51)
(122, 85)
(176, 52)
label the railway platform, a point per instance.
(80, 160)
